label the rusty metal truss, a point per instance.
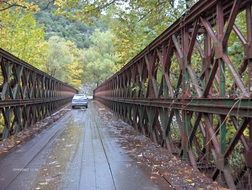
(190, 90)
(27, 94)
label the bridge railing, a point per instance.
(190, 89)
(27, 94)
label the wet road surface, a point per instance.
(76, 153)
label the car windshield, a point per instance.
(79, 96)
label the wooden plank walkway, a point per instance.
(76, 153)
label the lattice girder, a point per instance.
(27, 94)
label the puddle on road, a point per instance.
(62, 152)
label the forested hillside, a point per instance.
(81, 42)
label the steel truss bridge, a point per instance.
(27, 94)
(190, 90)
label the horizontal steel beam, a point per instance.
(231, 107)
(20, 102)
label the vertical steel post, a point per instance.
(220, 35)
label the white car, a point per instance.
(79, 100)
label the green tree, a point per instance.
(58, 57)
(17, 5)
(74, 70)
(23, 36)
(100, 58)
(64, 60)
(135, 23)
(58, 25)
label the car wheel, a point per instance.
(73, 107)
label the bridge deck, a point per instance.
(76, 153)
